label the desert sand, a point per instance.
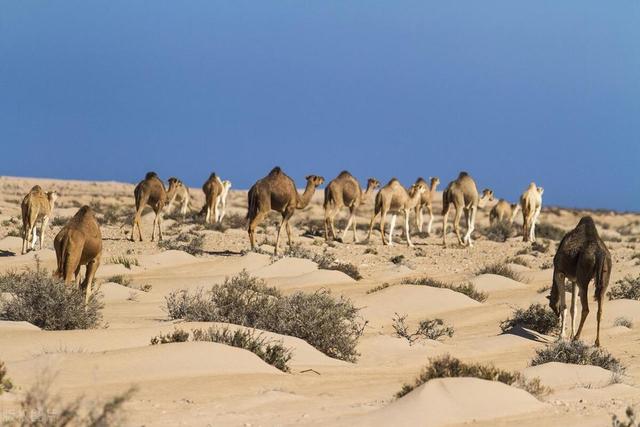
(198, 383)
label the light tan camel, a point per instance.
(79, 243)
(277, 192)
(36, 205)
(344, 190)
(394, 198)
(150, 191)
(581, 256)
(426, 202)
(212, 189)
(531, 203)
(503, 211)
(221, 200)
(463, 195)
(180, 195)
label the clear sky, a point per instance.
(511, 91)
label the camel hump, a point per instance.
(344, 174)
(462, 174)
(420, 180)
(36, 189)
(587, 222)
(150, 175)
(394, 179)
(275, 171)
(213, 175)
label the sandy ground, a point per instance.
(213, 384)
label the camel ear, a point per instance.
(308, 177)
(548, 297)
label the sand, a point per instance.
(199, 383)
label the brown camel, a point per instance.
(581, 256)
(394, 198)
(426, 202)
(36, 205)
(212, 189)
(463, 195)
(343, 191)
(150, 191)
(531, 203)
(79, 243)
(277, 192)
(503, 211)
(180, 195)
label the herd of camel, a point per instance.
(581, 255)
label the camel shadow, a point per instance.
(223, 253)
(4, 253)
(529, 334)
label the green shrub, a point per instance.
(449, 367)
(627, 288)
(500, 269)
(36, 297)
(577, 353)
(537, 317)
(329, 324)
(467, 289)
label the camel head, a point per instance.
(417, 188)
(487, 196)
(226, 184)
(434, 181)
(314, 180)
(174, 185)
(540, 190)
(52, 196)
(515, 208)
(373, 183)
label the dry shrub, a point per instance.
(500, 231)
(627, 288)
(432, 329)
(549, 231)
(501, 270)
(578, 353)
(467, 289)
(536, 317)
(5, 382)
(449, 367)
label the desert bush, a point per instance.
(630, 420)
(449, 367)
(500, 231)
(432, 329)
(517, 260)
(120, 279)
(59, 221)
(467, 289)
(378, 288)
(623, 321)
(549, 231)
(36, 297)
(273, 353)
(329, 324)
(372, 251)
(627, 288)
(189, 243)
(577, 353)
(542, 247)
(5, 382)
(325, 261)
(398, 259)
(536, 317)
(178, 335)
(500, 269)
(42, 408)
(128, 262)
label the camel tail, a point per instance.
(602, 277)
(62, 259)
(252, 199)
(445, 201)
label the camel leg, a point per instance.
(430, 223)
(445, 220)
(326, 227)
(332, 225)
(214, 213)
(558, 281)
(349, 221)
(373, 218)
(406, 227)
(223, 208)
(282, 225)
(392, 225)
(288, 216)
(25, 239)
(90, 272)
(383, 216)
(533, 224)
(253, 224)
(43, 227)
(419, 218)
(136, 224)
(159, 215)
(573, 308)
(355, 232)
(584, 300)
(34, 236)
(456, 225)
(471, 221)
(153, 232)
(599, 318)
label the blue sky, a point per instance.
(509, 91)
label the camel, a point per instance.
(212, 189)
(394, 198)
(531, 203)
(345, 190)
(181, 195)
(503, 211)
(221, 200)
(425, 201)
(79, 243)
(277, 192)
(581, 256)
(463, 195)
(36, 205)
(150, 191)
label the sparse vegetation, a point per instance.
(5, 382)
(500, 231)
(41, 408)
(432, 329)
(578, 353)
(120, 279)
(178, 335)
(187, 242)
(447, 367)
(128, 262)
(623, 321)
(371, 251)
(59, 221)
(467, 289)
(630, 420)
(536, 317)
(325, 261)
(627, 288)
(36, 297)
(398, 259)
(549, 231)
(501, 269)
(518, 260)
(378, 288)
(329, 324)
